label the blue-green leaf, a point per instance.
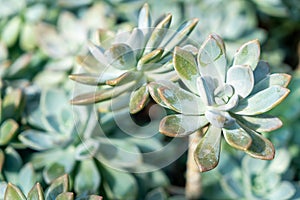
(248, 54)
(208, 150)
(186, 68)
(241, 78)
(262, 101)
(212, 59)
(237, 137)
(181, 125)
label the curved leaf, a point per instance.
(89, 79)
(186, 68)
(181, 125)
(262, 101)
(158, 33)
(241, 78)
(248, 54)
(152, 57)
(261, 123)
(212, 60)
(206, 87)
(144, 17)
(180, 35)
(58, 186)
(8, 130)
(207, 152)
(261, 71)
(261, 147)
(36, 193)
(138, 99)
(65, 196)
(87, 177)
(237, 137)
(13, 192)
(121, 56)
(274, 79)
(181, 100)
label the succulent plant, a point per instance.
(131, 60)
(59, 189)
(68, 140)
(236, 28)
(11, 108)
(252, 179)
(229, 100)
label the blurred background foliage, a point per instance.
(39, 142)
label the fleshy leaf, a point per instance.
(181, 125)
(261, 71)
(58, 186)
(248, 54)
(13, 192)
(262, 101)
(87, 177)
(186, 68)
(8, 130)
(206, 89)
(157, 97)
(98, 54)
(241, 78)
(158, 33)
(144, 17)
(232, 103)
(124, 78)
(212, 59)
(273, 79)
(121, 56)
(261, 147)
(218, 118)
(87, 149)
(180, 35)
(237, 137)
(261, 123)
(149, 59)
(138, 99)
(181, 100)
(135, 41)
(36, 193)
(208, 150)
(65, 196)
(104, 94)
(89, 79)
(285, 190)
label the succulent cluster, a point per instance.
(231, 100)
(130, 61)
(59, 189)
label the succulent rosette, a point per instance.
(230, 100)
(123, 67)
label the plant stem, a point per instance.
(193, 188)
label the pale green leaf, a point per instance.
(87, 178)
(118, 184)
(181, 125)
(138, 99)
(241, 78)
(144, 17)
(13, 193)
(180, 35)
(8, 130)
(206, 88)
(181, 100)
(261, 71)
(212, 60)
(237, 137)
(273, 79)
(261, 123)
(158, 34)
(208, 150)
(248, 54)
(65, 196)
(58, 186)
(261, 147)
(36, 193)
(186, 68)
(149, 59)
(121, 56)
(262, 101)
